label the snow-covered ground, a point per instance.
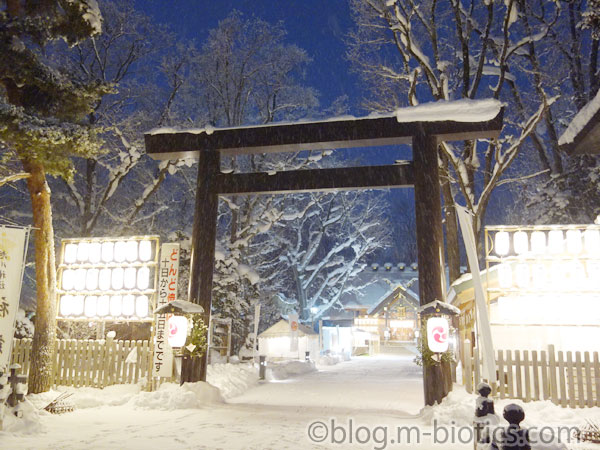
(383, 395)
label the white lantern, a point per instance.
(574, 244)
(91, 302)
(77, 306)
(104, 279)
(83, 251)
(502, 243)
(178, 328)
(521, 242)
(128, 305)
(95, 251)
(131, 251)
(538, 242)
(91, 279)
(107, 251)
(438, 334)
(79, 282)
(522, 275)
(539, 276)
(555, 242)
(145, 250)
(141, 306)
(116, 305)
(576, 273)
(103, 306)
(68, 279)
(117, 278)
(591, 238)
(65, 305)
(129, 280)
(558, 275)
(70, 253)
(120, 253)
(593, 273)
(505, 276)
(143, 278)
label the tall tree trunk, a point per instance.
(452, 244)
(44, 337)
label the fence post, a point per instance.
(467, 367)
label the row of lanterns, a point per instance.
(102, 306)
(108, 252)
(106, 279)
(553, 242)
(572, 274)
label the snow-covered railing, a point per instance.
(568, 379)
(93, 363)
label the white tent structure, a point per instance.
(276, 342)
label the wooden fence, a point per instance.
(568, 379)
(92, 363)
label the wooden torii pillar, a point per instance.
(381, 130)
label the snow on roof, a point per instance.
(283, 328)
(179, 307)
(580, 120)
(439, 306)
(465, 110)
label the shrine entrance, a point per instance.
(402, 127)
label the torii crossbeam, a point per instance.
(422, 126)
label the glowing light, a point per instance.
(555, 242)
(591, 238)
(116, 305)
(79, 282)
(141, 306)
(95, 252)
(129, 278)
(178, 326)
(65, 305)
(77, 305)
(539, 276)
(593, 273)
(538, 242)
(107, 251)
(68, 279)
(103, 306)
(120, 252)
(90, 306)
(522, 275)
(574, 244)
(521, 242)
(104, 280)
(145, 250)
(83, 251)
(576, 273)
(505, 276)
(558, 275)
(131, 251)
(117, 278)
(91, 279)
(128, 305)
(143, 278)
(438, 334)
(502, 243)
(70, 253)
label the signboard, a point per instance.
(168, 274)
(293, 318)
(12, 253)
(438, 333)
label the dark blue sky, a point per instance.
(317, 26)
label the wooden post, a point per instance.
(429, 248)
(203, 241)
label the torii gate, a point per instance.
(419, 126)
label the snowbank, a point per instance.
(232, 379)
(171, 396)
(288, 369)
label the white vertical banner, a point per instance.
(168, 275)
(12, 263)
(484, 334)
(293, 319)
(256, 322)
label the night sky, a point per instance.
(317, 26)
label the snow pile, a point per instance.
(232, 379)
(580, 121)
(288, 369)
(88, 397)
(465, 110)
(171, 396)
(329, 360)
(24, 327)
(28, 423)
